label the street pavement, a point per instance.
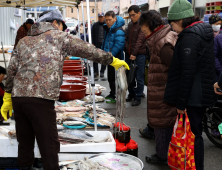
(136, 118)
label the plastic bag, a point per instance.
(181, 148)
(131, 75)
(146, 73)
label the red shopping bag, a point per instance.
(181, 148)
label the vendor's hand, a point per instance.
(7, 106)
(117, 63)
(217, 87)
(132, 57)
(180, 111)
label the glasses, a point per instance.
(132, 16)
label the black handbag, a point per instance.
(131, 75)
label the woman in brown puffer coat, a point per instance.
(161, 116)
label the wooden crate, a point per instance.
(215, 11)
(207, 4)
(216, 3)
(208, 8)
(215, 8)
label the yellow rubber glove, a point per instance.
(117, 63)
(7, 106)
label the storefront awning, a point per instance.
(34, 3)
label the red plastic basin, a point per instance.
(80, 78)
(67, 62)
(73, 68)
(77, 72)
(71, 64)
(72, 92)
(75, 81)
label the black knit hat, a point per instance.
(29, 21)
(214, 18)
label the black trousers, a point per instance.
(36, 118)
(96, 68)
(162, 139)
(195, 115)
(111, 79)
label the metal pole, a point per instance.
(87, 65)
(95, 10)
(91, 65)
(82, 60)
(78, 21)
(83, 21)
(89, 28)
(3, 54)
(35, 13)
(64, 12)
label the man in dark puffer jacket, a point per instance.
(192, 71)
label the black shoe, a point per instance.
(101, 74)
(136, 103)
(154, 159)
(146, 133)
(143, 96)
(130, 98)
(96, 75)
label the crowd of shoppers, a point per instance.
(185, 63)
(181, 69)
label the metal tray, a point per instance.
(118, 161)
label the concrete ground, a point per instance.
(136, 118)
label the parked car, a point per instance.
(71, 26)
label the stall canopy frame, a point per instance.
(34, 3)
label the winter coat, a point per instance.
(21, 33)
(114, 39)
(161, 45)
(218, 54)
(135, 40)
(36, 65)
(81, 30)
(98, 34)
(192, 71)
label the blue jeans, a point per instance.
(140, 62)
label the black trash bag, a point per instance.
(131, 75)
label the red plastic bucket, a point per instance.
(72, 62)
(80, 78)
(73, 68)
(75, 82)
(72, 92)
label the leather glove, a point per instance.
(7, 106)
(117, 63)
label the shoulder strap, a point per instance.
(116, 29)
